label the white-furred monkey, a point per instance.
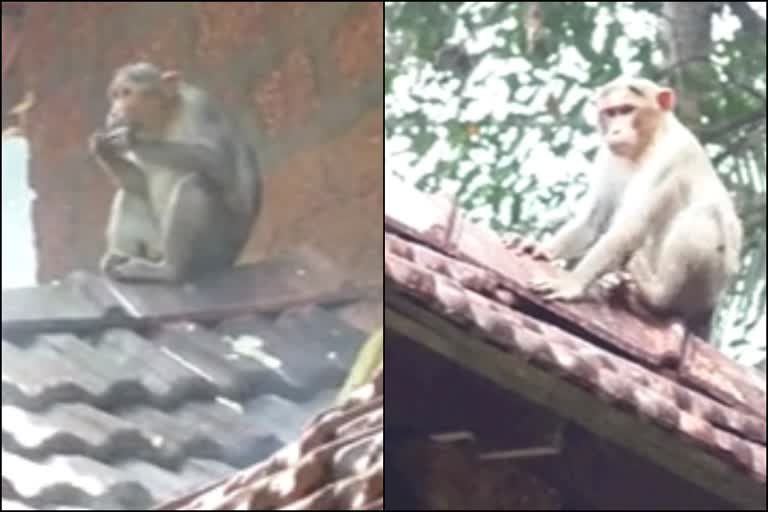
(189, 186)
(656, 207)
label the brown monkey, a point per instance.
(656, 207)
(189, 186)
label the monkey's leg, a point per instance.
(650, 295)
(131, 230)
(195, 231)
(688, 275)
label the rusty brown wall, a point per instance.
(308, 80)
(11, 40)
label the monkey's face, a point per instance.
(630, 114)
(134, 105)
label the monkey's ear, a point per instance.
(666, 99)
(171, 82)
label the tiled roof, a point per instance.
(337, 464)
(463, 273)
(103, 409)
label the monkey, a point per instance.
(656, 213)
(189, 187)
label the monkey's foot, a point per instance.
(564, 289)
(624, 292)
(111, 260)
(153, 255)
(144, 270)
(640, 269)
(615, 283)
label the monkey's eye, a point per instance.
(626, 109)
(121, 92)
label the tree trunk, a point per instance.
(687, 33)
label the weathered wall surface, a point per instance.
(306, 79)
(11, 41)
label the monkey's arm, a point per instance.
(118, 168)
(198, 158)
(573, 238)
(123, 172)
(576, 236)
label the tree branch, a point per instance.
(730, 126)
(734, 147)
(749, 90)
(683, 63)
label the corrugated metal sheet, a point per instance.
(120, 396)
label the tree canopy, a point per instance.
(492, 100)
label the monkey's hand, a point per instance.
(121, 138)
(564, 288)
(97, 144)
(113, 142)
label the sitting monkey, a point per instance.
(189, 185)
(656, 207)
